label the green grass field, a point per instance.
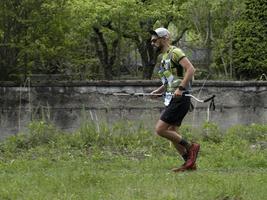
(123, 162)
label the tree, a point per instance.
(242, 49)
(108, 22)
(91, 38)
(250, 45)
(227, 13)
(208, 22)
(32, 36)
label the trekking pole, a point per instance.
(160, 95)
(210, 107)
(211, 99)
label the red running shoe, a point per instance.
(193, 152)
(193, 168)
(190, 164)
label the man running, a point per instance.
(176, 73)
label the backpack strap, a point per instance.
(170, 55)
(178, 67)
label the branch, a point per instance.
(181, 36)
(133, 36)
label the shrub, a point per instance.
(39, 133)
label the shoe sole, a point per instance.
(182, 169)
(192, 168)
(176, 170)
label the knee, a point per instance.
(159, 131)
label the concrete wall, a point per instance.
(68, 104)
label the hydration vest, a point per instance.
(167, 75)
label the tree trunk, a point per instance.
(209, 41)
(107, 59)
(149, 58)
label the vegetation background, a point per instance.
(124, 161)
(81, 40)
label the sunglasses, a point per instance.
(154, 40)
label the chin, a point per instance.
(158, 49)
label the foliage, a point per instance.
(252, 133)
(40, 133)
(211, 132)
(112, 25)
(97, 39)
(32, 36)
(126, 136)
(244, 45)
(208, 24)
(250, 54)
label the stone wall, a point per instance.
(68, 104)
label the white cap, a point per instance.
(161, 32)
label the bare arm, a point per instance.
(189, 73)
(159, 90)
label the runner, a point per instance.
(176, 73)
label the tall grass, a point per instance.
(125, 161)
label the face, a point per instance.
(157, 42)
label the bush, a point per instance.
(39, 133)
(211, 132)
(252, 133)
(131, 140)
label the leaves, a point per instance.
(46, 36)
(245, 38)
(35, 30)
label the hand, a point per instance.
(178, 93)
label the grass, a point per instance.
(124, 162)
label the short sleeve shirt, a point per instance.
(175, 54)
(178, 54)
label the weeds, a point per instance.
(125, 161)
(125, 138)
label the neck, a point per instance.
(165, 48)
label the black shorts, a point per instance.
(175, 112)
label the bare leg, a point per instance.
(181, 150)
(167, 131)
(183, 147)
(162, 129)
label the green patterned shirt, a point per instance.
(171, 72)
